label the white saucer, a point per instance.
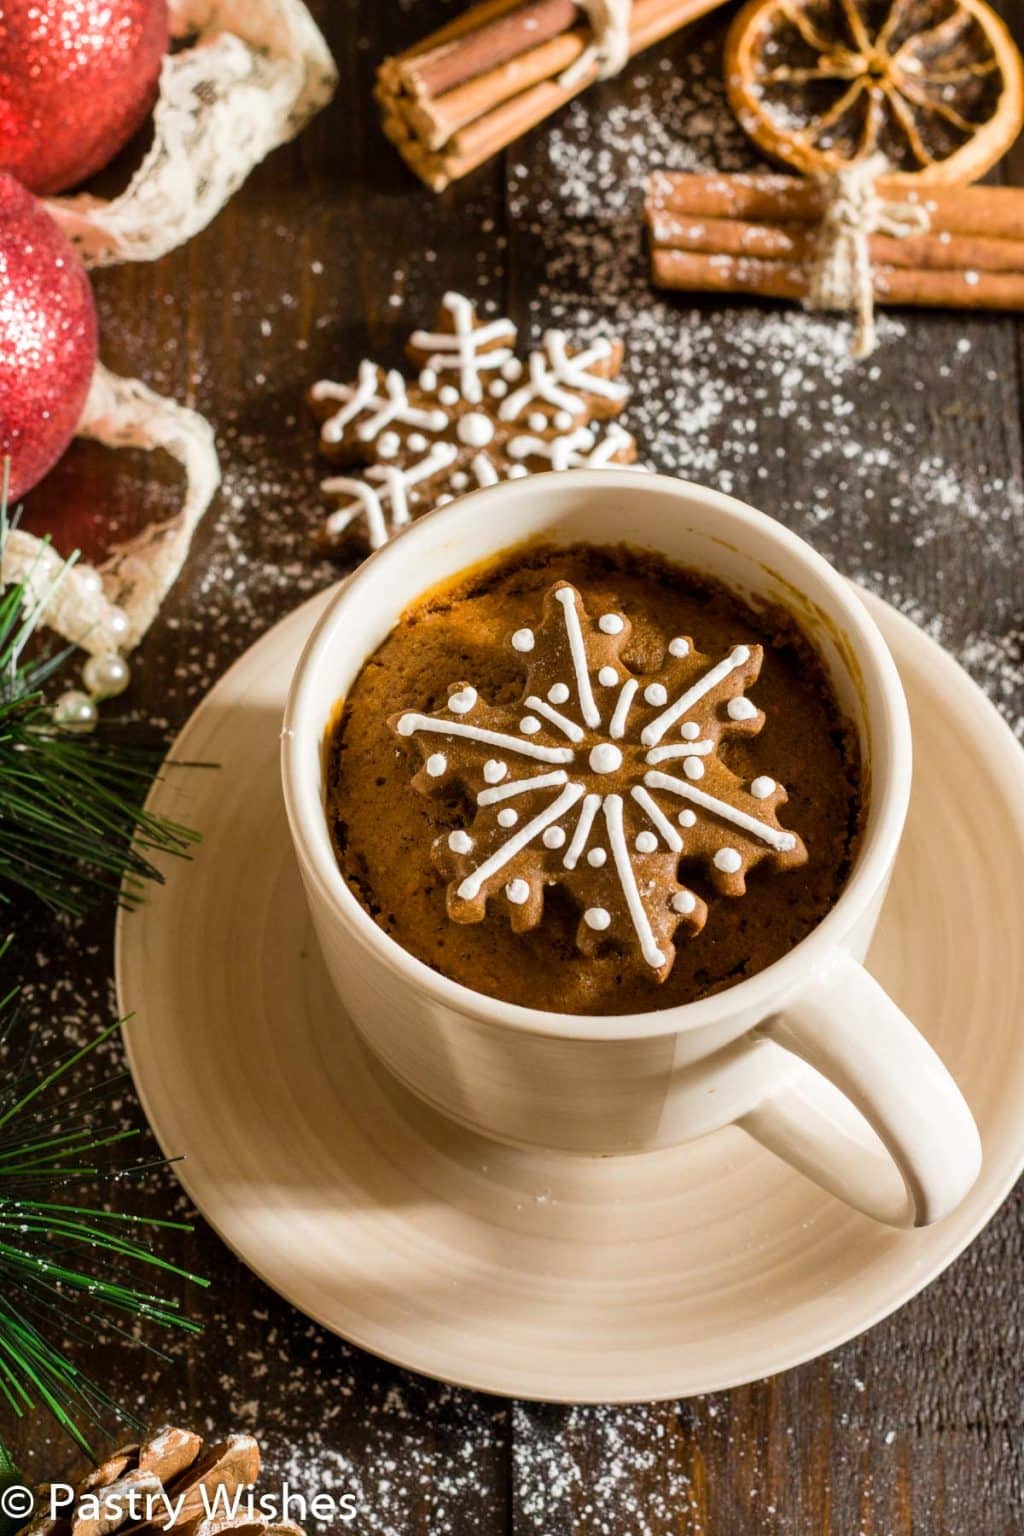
(544, 1275)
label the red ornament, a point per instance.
(77, 78)
(48, 336)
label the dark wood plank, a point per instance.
(906, 473)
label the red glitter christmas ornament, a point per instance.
(77, 78)
(48, 336)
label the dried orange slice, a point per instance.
(937, 86)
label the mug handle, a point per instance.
(869, 1061)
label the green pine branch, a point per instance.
(72, 824)
(67, 1269)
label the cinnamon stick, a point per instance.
(465, 93)
(698, 272)
(436, 120)
(476, 51)
(796, 242)
(769, 198)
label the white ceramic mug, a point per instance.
(810, 1056)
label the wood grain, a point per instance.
(332, 251)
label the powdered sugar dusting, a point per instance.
(881, 466)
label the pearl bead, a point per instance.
(106, 676)
(75, 711)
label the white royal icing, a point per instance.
(463, 366)
(634, 818)
(598, 918)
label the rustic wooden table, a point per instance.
(907, 473)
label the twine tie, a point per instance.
(841, 277)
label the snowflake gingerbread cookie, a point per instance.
(601, 781)
(475, 415)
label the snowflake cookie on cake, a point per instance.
(475, 414)
(602, 781)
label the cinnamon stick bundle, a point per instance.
(757, 234)
(497, 70)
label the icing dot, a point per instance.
(563, 421)
(687, 818)
(598, 918)
(459, 842)
(388, 444)
(508, 817)
(523, 640)
(436, 764)
(728, 861)
(518, 892)
(448, 394)
(605, 757)
(459, 480)
(679, 647)
(512, 370)
(428, 379)
(554, 837)
(762, 787)
(462, 702)
(655, 693)
(475, 429)
(741, 654)
(417, 442)
(518, 472)
(536, 421)
(607, 677)
(646, 842)
(494, 770)
(407, 725)
(740, 709)
(497, 389)
(690, 730)
(693, 768)
(596, 857)
(611, 624)
(558, 693)
(684, 902)
(529, 725)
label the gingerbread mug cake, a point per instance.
(588, 780)
(596, 782)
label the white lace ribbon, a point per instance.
(110, 608)
(258, 70)
(841, 277)
(609, 22)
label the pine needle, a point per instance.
(72, 825)
(66, 1267)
